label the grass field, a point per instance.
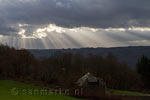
(128, 93)
(11, 90)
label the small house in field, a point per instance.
(92, 86)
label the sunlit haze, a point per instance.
(56, 24)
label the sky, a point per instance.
(57, 24)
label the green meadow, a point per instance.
(126, 93)
(11, 90)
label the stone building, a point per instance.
(92, 86)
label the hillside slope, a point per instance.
(128, 55)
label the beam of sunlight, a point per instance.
(56, 37)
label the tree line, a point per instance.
(143, 68)
(64, 69)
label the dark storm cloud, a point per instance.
(8, 29)
(73, 13)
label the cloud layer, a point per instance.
(74, 23)
(72, 13)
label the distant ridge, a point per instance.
(128, 55)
